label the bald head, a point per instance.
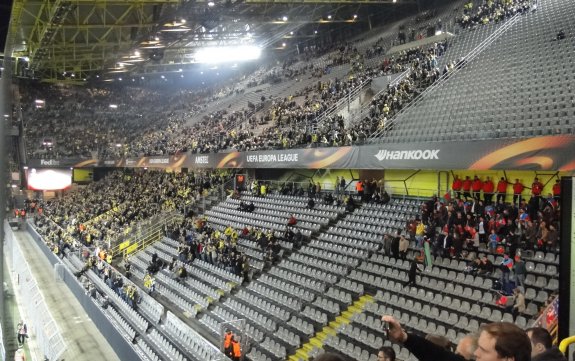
(466, 346)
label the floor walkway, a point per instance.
(84, 340)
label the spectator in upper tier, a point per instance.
(542, 346)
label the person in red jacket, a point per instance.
(466, 187)
(557, 190)
(488, 188)
(536, 188)
(476, 186)
(456, 186)
(501, 190)
(517, 190)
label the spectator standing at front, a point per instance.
(342, 185)
(456, 186)
(476, 186)
(501, 190)
(517, 190)
(536, 188)
(466, 186)
(359, 188)
(557, 191)
(488, 189)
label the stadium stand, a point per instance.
(309, 278)
(521, 103)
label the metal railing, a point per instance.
(338, 106)
(446, 76)
(145, 233)
(365, 110)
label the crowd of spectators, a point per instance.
(131, 121)
(491, 11)
(108, 211)
(470, 229)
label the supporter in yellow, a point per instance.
(263, 190)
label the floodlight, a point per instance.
(284, 18)
(215, 55)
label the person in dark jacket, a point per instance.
(421, 348)
(498, 341)
(542, 346)
(412, 273)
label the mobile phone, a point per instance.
(385, 327)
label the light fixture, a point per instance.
(284, 45)
(211, 3)
(284, 18)
(354, 16)
(113, 106)
(329, 17)
(136, 53)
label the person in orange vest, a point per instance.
(456, 187)
(466, 188)
(517, 190)
(488, 188)
(476, 186)
(501, 190)
(228, 342)
(236, 350)
(359, 188)
(557, 190)
(536, 188)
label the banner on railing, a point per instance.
(549, 319)
(540, 153)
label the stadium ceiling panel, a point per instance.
(72, 40)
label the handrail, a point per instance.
(565, 343)
(147, 236)
(444, 77)
(342, 101)
(365, 110)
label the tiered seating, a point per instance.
(510, 103)
(204, 285)
(174, 340)
(189, 340)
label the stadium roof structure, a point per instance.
(72, 40)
